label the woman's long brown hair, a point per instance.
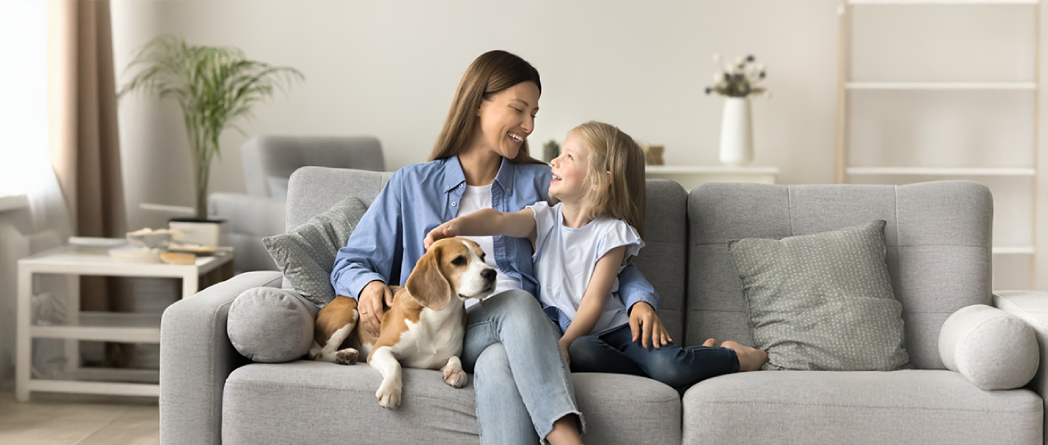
(489, 74)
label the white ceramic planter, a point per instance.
(213, 233)
(736, 144)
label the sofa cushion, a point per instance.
(993, 349)
(819, 407)
(822, 301)
(271, 325)
(333, 401)
(306, 254)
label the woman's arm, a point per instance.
(486, 222)
(363, 266)
(592, 305)
(642, 301)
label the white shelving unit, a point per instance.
(689, 176)
(97, 326)
(1016, 194)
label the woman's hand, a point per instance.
(646, 324)
(446, 230)
(564, 350)
(369, 304)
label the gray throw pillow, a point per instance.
(271, 325)
(306, 254)
(823, 301)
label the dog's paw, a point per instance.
(348, 356)
(455, 377)
(388, 395)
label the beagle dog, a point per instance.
(423, 329)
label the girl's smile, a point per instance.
(569, 172)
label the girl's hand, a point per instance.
(646, 324)
(446, 230)
(564, 350)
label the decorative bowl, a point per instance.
(149, 238)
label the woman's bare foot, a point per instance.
(710, 342)
(750, 359)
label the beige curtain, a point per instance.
(85, 149)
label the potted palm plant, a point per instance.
(215, 86)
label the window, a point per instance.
(23, 96)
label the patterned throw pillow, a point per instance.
(306, 254)
(823, 301)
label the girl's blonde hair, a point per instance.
(489, 74)
(620, 194)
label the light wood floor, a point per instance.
(78, 420)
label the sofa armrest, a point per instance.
(249, 218)
(1031, 307)
(247, 214)
(196, 356)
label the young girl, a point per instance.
(581, 244)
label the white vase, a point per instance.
(736, 144)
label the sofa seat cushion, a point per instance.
(316, 402)
(909, 406)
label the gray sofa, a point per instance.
(939, 240)
(268, 162)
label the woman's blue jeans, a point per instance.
(521, 380)
(616, 352)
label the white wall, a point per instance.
(389, 69)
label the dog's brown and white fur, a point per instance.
(423, 329)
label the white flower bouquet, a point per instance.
(739, 79)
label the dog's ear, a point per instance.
(427, 283)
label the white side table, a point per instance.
(690, 176)
(98, 326)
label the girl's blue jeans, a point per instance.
(616, 352)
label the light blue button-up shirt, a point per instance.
(387, 241)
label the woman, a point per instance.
(481, 160)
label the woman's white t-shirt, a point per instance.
(477, 198)
(565, 258)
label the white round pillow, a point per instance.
(992, 348)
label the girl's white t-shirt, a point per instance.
(477, 198)
(565, 258)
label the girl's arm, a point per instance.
(592, 305)
(487, 222)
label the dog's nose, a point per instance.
(489, 274)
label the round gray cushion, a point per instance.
(271, 325)
(992, 348)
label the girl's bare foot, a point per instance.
(710, 342)
(750, 359)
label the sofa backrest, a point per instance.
(312, 190)
(663, 260)
(939, 239)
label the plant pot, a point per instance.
(206, 232)
(736, 144)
